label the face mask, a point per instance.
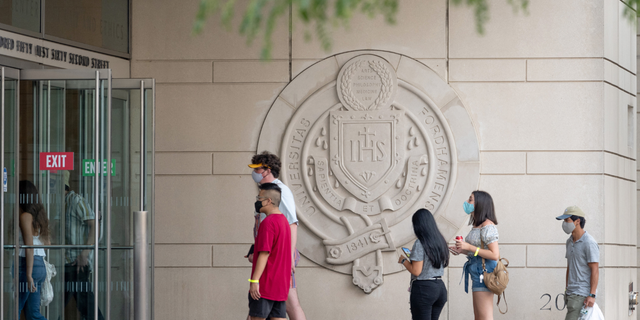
(568, 227)
(257, 177)
(468, 207)
(258, 205)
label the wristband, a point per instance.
(254, 281)
(592, 295)
(477, 250)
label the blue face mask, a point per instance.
(468, 207)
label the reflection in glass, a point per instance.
(24, 14)
(104, 24)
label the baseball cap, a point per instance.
(258, 165)
(571, 211)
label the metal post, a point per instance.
(108, 217)
(96, 201)
(2, 191)
(140, 265)
(142, 146)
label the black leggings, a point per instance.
(427, 299)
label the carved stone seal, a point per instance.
(362, 151)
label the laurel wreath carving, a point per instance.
(385, 92)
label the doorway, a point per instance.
(77, 158)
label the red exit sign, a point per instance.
(56, 160)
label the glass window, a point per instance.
(103, 24)
(24, 14)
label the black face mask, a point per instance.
(258, 205)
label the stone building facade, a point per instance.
(541, 109)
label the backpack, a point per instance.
(497, 280)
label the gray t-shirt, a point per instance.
(579, 253)
(428, 271)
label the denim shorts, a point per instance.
(473, 268)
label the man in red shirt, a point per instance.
(271, 267)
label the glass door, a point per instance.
(9, 93)
(78, 147)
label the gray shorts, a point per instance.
(264, 308)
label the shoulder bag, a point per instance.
(497, 280)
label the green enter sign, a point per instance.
(89, 167)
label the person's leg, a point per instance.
(278, 310)
(438, 305)
(294, 310)
(483, 305)
(574, 304)
(85, 299)
(423, 296)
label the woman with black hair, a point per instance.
(429, 257)
(481, 242)
(34, 230)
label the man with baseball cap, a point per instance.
(266, 169)
(582, 256)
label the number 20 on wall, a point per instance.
(559, 300)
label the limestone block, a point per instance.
(188, 118)
(274, 126)
(214, 209)
(558, 192)
(419, 32)
(423, 78)
(619, 226)
(154, 38)
(516, 254)
(503, 162)
(581, 36)
(487, 70)
(565, 162)
(201, 293)
(437, 65)
(565, 69)
(611, 33)
(183, 163)
(232, 162)
(620, 167)
(626, 43)
(251, 71)
(314, 78)
(620, 256)
(614, 286)
(319, 288)
(173, 71)
(531, 295)
(520, 118)
(466, 139)
(231, 255)
(391, 57)
(547, 256)
(182, 255)
(299, 65)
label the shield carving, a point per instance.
(366, 151)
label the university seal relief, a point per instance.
(367, 138)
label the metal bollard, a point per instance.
(140, 266)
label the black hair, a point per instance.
(483, 209)
(269, 160)
(30, 202)
(583, 221)
(434, 244)
(272, 187)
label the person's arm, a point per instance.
(414, 267)
(83, 258)
(26, 226)
(566, 280)
(294, 238)
(595, 274)
(493, 253)
(254, 287)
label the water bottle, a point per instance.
(583, 313)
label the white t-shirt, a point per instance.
(287, 203)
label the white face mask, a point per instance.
(568, 227)
(257, 177)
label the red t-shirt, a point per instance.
(274, 236)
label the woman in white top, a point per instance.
(34, 230)
(481, 242)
